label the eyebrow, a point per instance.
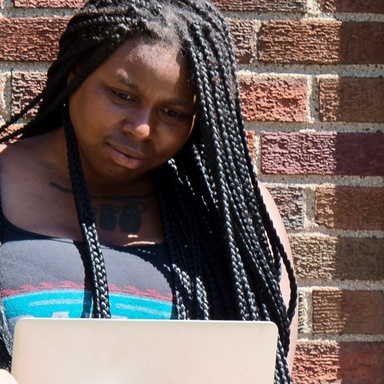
(126, 81)
(177, 101)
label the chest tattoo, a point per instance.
(111, 214)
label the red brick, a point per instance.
(261, 5)
(352, 100)
(321, 42)
(361, 43)
(274, 99)
(297, 153)
(322, 153)
(338, 258)
(358, 6)
(359, 153)
(319, 362)
(243, 34)
(251, 143)
(25, 86)
(48, 3)
(30, 39)
(290, 202)
(350, 208)
(338, 311)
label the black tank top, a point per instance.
(43, 276)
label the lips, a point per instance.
(125, 157)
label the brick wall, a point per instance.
(313, 97)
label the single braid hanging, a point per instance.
(87, 224)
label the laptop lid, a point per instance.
(116, 351)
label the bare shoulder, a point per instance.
(11, 155)
(275, 216)
(3, 157)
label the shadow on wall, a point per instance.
(339, 363)
(343, 258)
(332, 265)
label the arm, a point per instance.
(285, 288)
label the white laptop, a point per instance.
(114, 351)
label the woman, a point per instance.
(133, 181)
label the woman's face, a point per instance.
(133, 113)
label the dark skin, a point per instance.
(123, 214)
(134, 114)
(120, 220)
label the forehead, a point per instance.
(148, 50)
(149, 66)
(150, 54)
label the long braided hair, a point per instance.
(226, 257)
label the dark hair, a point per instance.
(226, 257)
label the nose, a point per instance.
(139, 124)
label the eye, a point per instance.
(122, 96)
(172, 112)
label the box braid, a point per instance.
(226, 257)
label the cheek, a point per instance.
(87, 104)
(86, 117)
(174, 143)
